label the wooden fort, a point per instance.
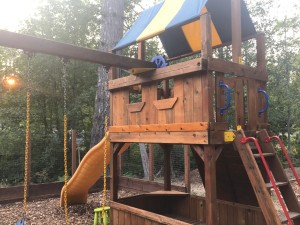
(184, 103)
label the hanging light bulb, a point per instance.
(10, 81)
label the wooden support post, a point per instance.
(236, 29)
(220, 97)
(206, 37)
(261, 53)
(74, 151)
(151, 163)
(167, 167)
(114, 175)
(141, 50)
(187, 169)
(210, 184)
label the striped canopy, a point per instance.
(178, 26)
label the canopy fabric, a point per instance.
(178, 26)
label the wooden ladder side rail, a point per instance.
(278, 171)
(245, 140)
(270, 139)
(257, 181)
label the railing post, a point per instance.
(236, 31)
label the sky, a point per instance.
(14, 12)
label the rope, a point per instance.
(64, 83)
(104, 171)
(27, 141)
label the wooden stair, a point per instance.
(262, 177)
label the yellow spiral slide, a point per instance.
(87, 173)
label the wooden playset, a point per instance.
(184, 103)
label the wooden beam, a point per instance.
(236, 30)
(141, 50)
(227, 67)
(261, 52)
(168, 72)
(167, 167)
(201, 126)
(187, 169)
(40, 45)
(206, 37)
(167, 137)
(210, 184)
(199, 151)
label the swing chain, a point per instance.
(27, 141)
(104, 171)
(64, 84)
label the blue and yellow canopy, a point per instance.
(177, 24)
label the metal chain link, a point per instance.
(64, 84)
(27, 139)
(104, 171)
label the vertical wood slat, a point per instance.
(220, 97)
(120, 99)
(252, 106)
(236, 30)
(197, 98)
(206, 37)
(188, 90)
(134, 220)
(149, 112)
(115, 216)
(239, 102)
(210, 184)
(167, 167)
(179, 106)
(187, 169)
(207, 97)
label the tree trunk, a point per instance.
(112, 16)
(145, 160)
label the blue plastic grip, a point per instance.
(261, 111)
(160, 61)
(223, 85)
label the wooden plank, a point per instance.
(206, 37)
(236, 30)
(188, 103)
(207, 97)
(165, 103)
(261, 53)
(252, 106)
(210, 184)
(141, 50)
(239, 103)
(135, 107)
(256, 180)
(187, 169)
(134, 219)
(239, 70)
(127, 219)
(149, 113)
(200, 126)
(172, 71)
(50, 47)
(120, 112)
(145, 215)
(121, 217)
(167, 166)
(161, 137)
(179, 93)
(115, 216)
(197, 98)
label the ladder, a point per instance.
(265, 172)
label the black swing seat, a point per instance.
(21, 222)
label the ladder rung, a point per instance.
(293, 215)
(265, 155)
(278, 184)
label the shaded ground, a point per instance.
(48, 211)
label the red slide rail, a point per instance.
(269, 139)
(272, 180)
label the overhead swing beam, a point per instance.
(40, 45)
